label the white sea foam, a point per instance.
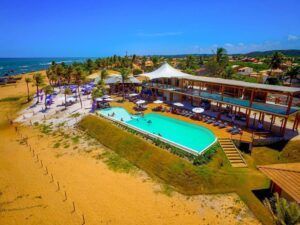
(45, 64)
(23, 66)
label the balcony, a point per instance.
(268, 108)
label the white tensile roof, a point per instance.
(165, 71)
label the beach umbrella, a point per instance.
(133, 95)
(158, 102)
(108, 99)
(105, 96)
(178, 104)
(198, 110)
(71, 99)
(139, 102)
(99, 99)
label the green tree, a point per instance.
(47, 90)
(283, 212)
(292, 72)
(67, 91)
(79, 78)
(124, 74)
(38, 82)
(276, 61)
(216, 65)
(28, 80)
(103, 75)
(97, 93)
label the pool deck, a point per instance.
(219, 133)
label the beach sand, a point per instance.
(29, 196)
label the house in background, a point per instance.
(285, 180)
(246, 71)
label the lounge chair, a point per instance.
(223, 125)
(231, 128)
(217, 123)
(236, 131)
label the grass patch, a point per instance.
(216, 176)
(75, 139)
(282, 152)
(116, 163)
(45, 128)
(10, 99)
(56, 145)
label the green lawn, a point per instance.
(215, 177)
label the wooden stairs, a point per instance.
(232, 153)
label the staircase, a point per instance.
(232, 153)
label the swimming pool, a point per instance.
(191, 137)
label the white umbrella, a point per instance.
(99, 99)
(105, 96)
(198, 110)
(71, 99)
(140, 102)
(178, 104)
(158, 102)
(133, 95)
(108, 99)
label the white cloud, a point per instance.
(293, 37)
(159, 34)
(229, 45)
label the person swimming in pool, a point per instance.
(122, 119)
(113, 114)
(149, 121)
(159, 134)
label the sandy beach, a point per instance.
(43, 182)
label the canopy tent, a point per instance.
(165, 71)
(117, 78)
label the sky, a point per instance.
(96, 28)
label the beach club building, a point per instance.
(237, 96)
(285, 180)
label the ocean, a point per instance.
(13, 66)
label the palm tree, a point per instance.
(38, 81)
(67, 91)
(221, 56)
(124, 74)
(276, 61)
(293, 72)
(48, 90)
(283, 212)
(79, 78)
(28, 80)
(103, 75)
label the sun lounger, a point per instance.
(231, 128)
(223, 125)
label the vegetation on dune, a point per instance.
(283, 212)
(217, 176)
(282, 152)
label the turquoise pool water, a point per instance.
(193, 137)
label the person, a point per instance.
(149, 121)
(113, 114)
(122, 119)
(260, 126)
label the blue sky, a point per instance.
(101, 28)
